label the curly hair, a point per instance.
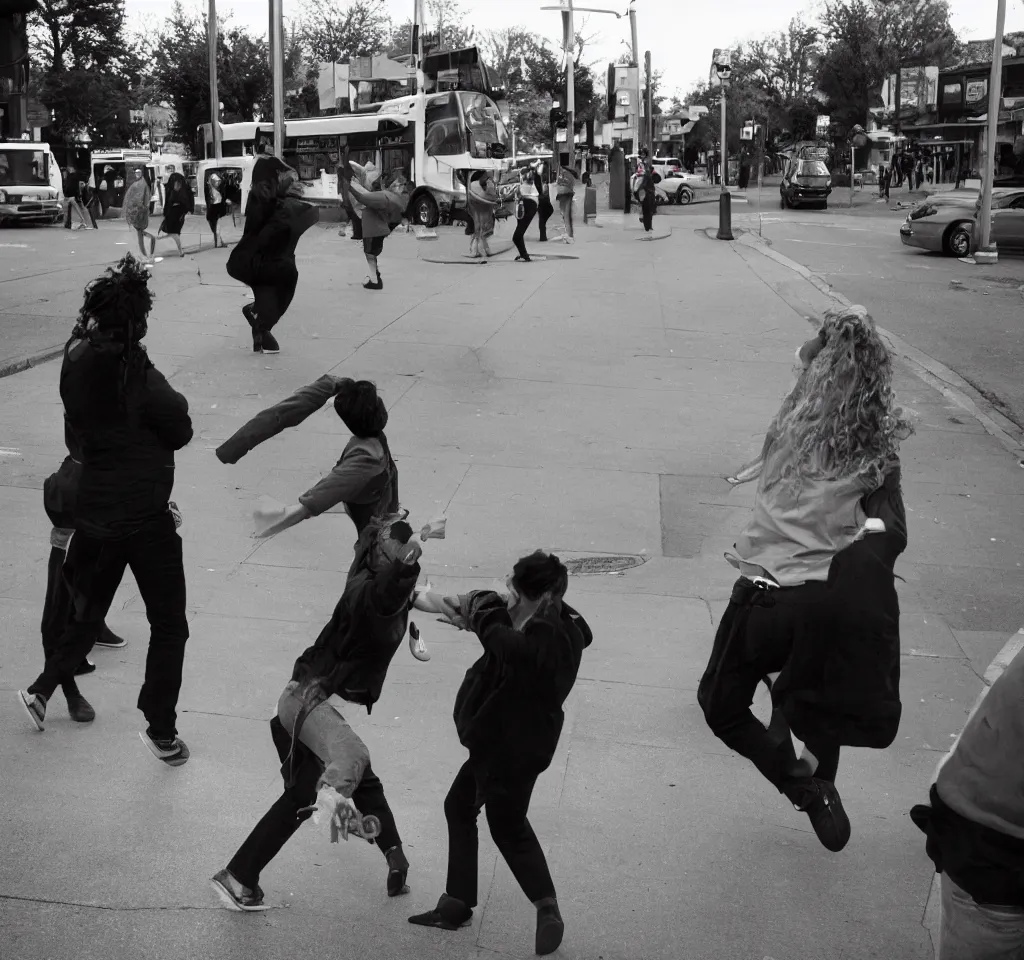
(841, 418)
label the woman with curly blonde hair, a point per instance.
(815, 607)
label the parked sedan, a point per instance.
(1008, 219)
(805, 182)
(945, 222)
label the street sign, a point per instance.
(720, 57)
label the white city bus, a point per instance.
(436, 139)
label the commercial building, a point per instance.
(14, 67)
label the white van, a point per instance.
(30, 183)
(111, 173)
(233, 166)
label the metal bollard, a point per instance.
(725, 216)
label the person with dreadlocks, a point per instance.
(127, 423)
(264, 259)
(346, 667)
(814, 613)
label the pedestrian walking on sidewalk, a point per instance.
(136, 210)
(127, 422)
(646, 191)
(482, 199)
(565, 193)
(383, 210)
(526, 210)
(545, 208)
(264, 259)
(816, 561)
(365, 478)
(975, 828)
(344, 669)
(508, 714)
(73, 199)
(178, 204)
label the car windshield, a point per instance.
(810, 168)
(483, 124)
(24, 167)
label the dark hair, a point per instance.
(360, 409)
(259, 206)
(118, 303)
(540, 573)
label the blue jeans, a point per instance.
(975, 931)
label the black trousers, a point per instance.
(273, 300)
(57, 611)
(752, 641)
(281, 821)
(647, 208)
(518, 238)
(507, 800)
(546, 210)
(93, 570)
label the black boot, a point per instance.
(820, 800)
(449, 914)
(550, 927)
(398, 870)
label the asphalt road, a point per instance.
(974, 328)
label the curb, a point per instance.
(932, 918)
(19, 366)
(935, 374)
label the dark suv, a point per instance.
(806, 182)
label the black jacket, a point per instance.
(841, 682)
(509, 708)
(126, 445)
(267, 257)
(353, 652)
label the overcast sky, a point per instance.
(680, 35)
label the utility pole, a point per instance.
(650, 102)
(418, 27)
(570, 82)
(277, 53)
(211, 37)
(986, 252)
(636, 66)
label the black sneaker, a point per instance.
(370, 285)
(820, 800)
(449, 914)
(270, 344)
(34, 704)
(108, 638)
(235, 894)
(398, 870)
(86, 666)
(550, 927)
(80, 710)
(250, 317)
(173, 751)
(257, 341)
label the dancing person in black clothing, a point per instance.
(526, 210)
(648, 200)
(178, 204)
(345, 668)
(264, 259)
(127, 422)
(545, 208)
(508, 714)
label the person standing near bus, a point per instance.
(565, 192)
(545, 208)
(526, 210)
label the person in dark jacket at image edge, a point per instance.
(508, 714)
(128, 422)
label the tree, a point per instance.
(505, 52)
(334, 33)
(182, 74)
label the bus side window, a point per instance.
(443, 135)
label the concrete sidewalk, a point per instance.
(590, 406)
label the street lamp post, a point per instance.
(723, 67)
(986, 252)
(211, 36)
(277, 50)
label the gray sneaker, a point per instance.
(235, 895)
(34, 704)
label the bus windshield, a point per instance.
(24, 167)
(484, 125)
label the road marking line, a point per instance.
(817, 243)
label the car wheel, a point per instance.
(424, 211)
(958, 240)
(684, 196)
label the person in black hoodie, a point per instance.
(347, 664)
(264, 259)
(508, 714)
(127, 422)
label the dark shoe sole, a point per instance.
(86, 666)
(173, 759)
(80, 710)
(111, 641)
(229, 900)
(549, 936)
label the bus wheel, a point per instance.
(424, 211)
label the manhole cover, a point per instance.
(594, 566)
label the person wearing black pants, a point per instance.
(128, 422)
(508, 714)
(545, 208)
(529, 211)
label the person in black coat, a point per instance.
(264, 259)
(508, 714)
(545, 208)
(347, 665)
(127, 423)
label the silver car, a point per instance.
(945, 222)
(1008, 219)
